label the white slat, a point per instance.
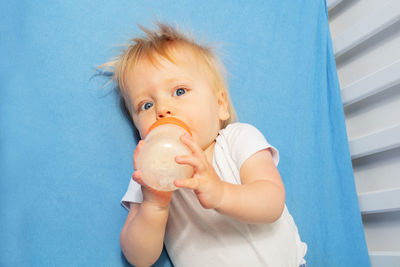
(381, 17)
(384, 258)
(376, 142)
(332, 3)
(372, 84)
(367, 28)
(379, 201)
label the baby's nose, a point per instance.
(163, 112)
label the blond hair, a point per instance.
(163, 42)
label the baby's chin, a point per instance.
(207, 145)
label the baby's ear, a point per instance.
(223, 112)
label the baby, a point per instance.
(232, 211)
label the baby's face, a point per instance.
(180, 90)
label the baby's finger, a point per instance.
(190, 183)
(136, 176)
(189, 142)
(191, 160)
(136, 153)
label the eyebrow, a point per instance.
(168, 82)
(183, 79)
(174, 80)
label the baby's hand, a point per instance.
(205, 182)
(150, 195)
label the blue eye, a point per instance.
(146, 106)
(179, 92)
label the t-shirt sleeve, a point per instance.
(132, 195)
(245, 140)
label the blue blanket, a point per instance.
(66, 147)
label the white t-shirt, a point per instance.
(204, 237)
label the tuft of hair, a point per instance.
(163, 42)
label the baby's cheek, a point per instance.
(141, 127)
(141, 131)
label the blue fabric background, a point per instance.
(66, 147)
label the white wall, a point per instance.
(373, 123)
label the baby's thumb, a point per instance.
(136, 152)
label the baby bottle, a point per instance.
(156, 159)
